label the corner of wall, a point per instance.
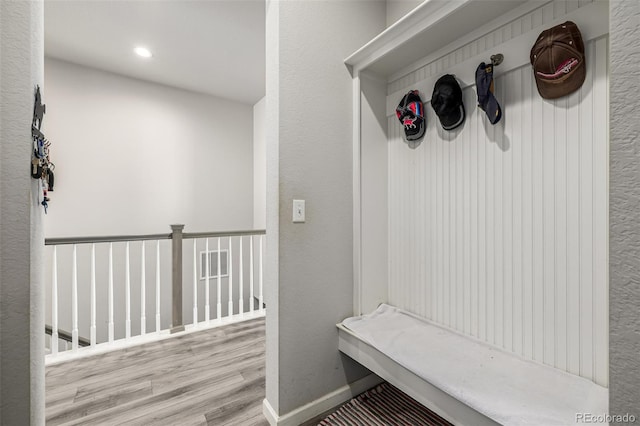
(309, 150)
(21, 226)
(272, 135)
(624, 212)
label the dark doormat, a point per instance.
(383, 405)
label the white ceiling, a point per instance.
(215, 47)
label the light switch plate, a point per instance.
(298, 211)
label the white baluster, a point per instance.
(230, 307)
(195, 283)
(110, 292)
(241, 280)
(158, 286)
(219, 300)
(260, 277)
(93, 294)
(74, 301)
(207, 273)
(54, 302)
(127, 290)
(143, 293)
(251, 296)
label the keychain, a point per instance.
(41, 166)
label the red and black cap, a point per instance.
(558, 61)
(447, 102)
(410, 112)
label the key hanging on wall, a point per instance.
(41, 165)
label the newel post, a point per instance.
(176, 278)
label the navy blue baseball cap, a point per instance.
(486, 99)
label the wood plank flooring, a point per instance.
(212, 377)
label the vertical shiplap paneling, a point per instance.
(559, 8)
(586, 218)
(433, 210)
(456, 297)
(508, 196)
(446, 201)
(524, 132)
(466, 223)
(491, 232)
(560, 231)
(549, 231)
(500, 232)
(483, 289)
(514, 124)
(536, 142)
(573, 218)
(474, 274)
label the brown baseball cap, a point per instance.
(558, 61)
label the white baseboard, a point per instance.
(320, 405)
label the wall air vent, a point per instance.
(213, 264)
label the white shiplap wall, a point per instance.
(500, 232)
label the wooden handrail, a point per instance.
(187, 235)
(109, 239)
(123, 238)
(66, 336)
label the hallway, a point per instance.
(213, 377)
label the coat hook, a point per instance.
(497, 59)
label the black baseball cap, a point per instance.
(447, 102)
(410, 112)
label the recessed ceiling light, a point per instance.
(143, 51)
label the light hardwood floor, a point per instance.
(213, 377)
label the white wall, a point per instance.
(21, 230)
(309, 139)
(624, 243)
(259, 165)
(133, 157)
(396, 9)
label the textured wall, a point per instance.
(396, 9)
(21, 235)
(311, 89)
(624, 244)
(259, 165)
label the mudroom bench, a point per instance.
(465, 380)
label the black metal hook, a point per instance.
(497, 59)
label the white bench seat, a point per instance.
(463, 379)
